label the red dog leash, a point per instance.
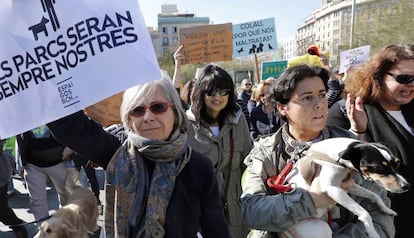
(276, 184)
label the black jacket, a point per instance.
(195, 202)
(261, 124)
(41, 149)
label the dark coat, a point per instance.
(333, 94)
(32, 147)
(261, 124)
(195, 202)
(5, 169)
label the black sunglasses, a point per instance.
(221, 92)
(156, 108)
(402, 78)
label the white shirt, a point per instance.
(215, 130)
(397, 115)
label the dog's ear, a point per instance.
(352, 153)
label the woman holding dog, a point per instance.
(382, 91)
(156, 185)
(300, 98)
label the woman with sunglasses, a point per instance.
(156, 184)
(218, 130)
(380, 94)
(300, 98)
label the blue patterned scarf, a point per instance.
(129, 186)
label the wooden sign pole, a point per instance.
(256, 61)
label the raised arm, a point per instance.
(178, 56)
(85, 137)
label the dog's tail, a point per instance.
(72, 179)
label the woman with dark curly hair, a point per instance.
(380, 94)
(219, 130)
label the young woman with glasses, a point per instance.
(381, 93)
(156, 184)
(218, 130)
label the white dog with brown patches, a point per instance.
(334, 161)
(78, 217)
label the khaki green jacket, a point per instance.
(217, 149)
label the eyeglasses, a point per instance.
(247, 84)
(402, 78)
(156, 108)
(220, 91)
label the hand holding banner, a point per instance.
(57, 57)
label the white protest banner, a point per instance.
(57, 57)
(254, 37)
(353, 57)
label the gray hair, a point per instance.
(133, 95)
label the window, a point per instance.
(165, 41)
(165, 30)
(175, 40)
(174, 29)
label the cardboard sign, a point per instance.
(205, 44)
(254, 37)
(353, 57)
(106, 112)
(273, 69)
(58, 57)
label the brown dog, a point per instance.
(76, 218)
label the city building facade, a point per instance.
(166, 38)
(289, 48)
(331, 27)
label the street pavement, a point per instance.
(19, 202)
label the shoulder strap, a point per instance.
(228, 174)
(230, 162)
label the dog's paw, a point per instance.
(389, 211)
